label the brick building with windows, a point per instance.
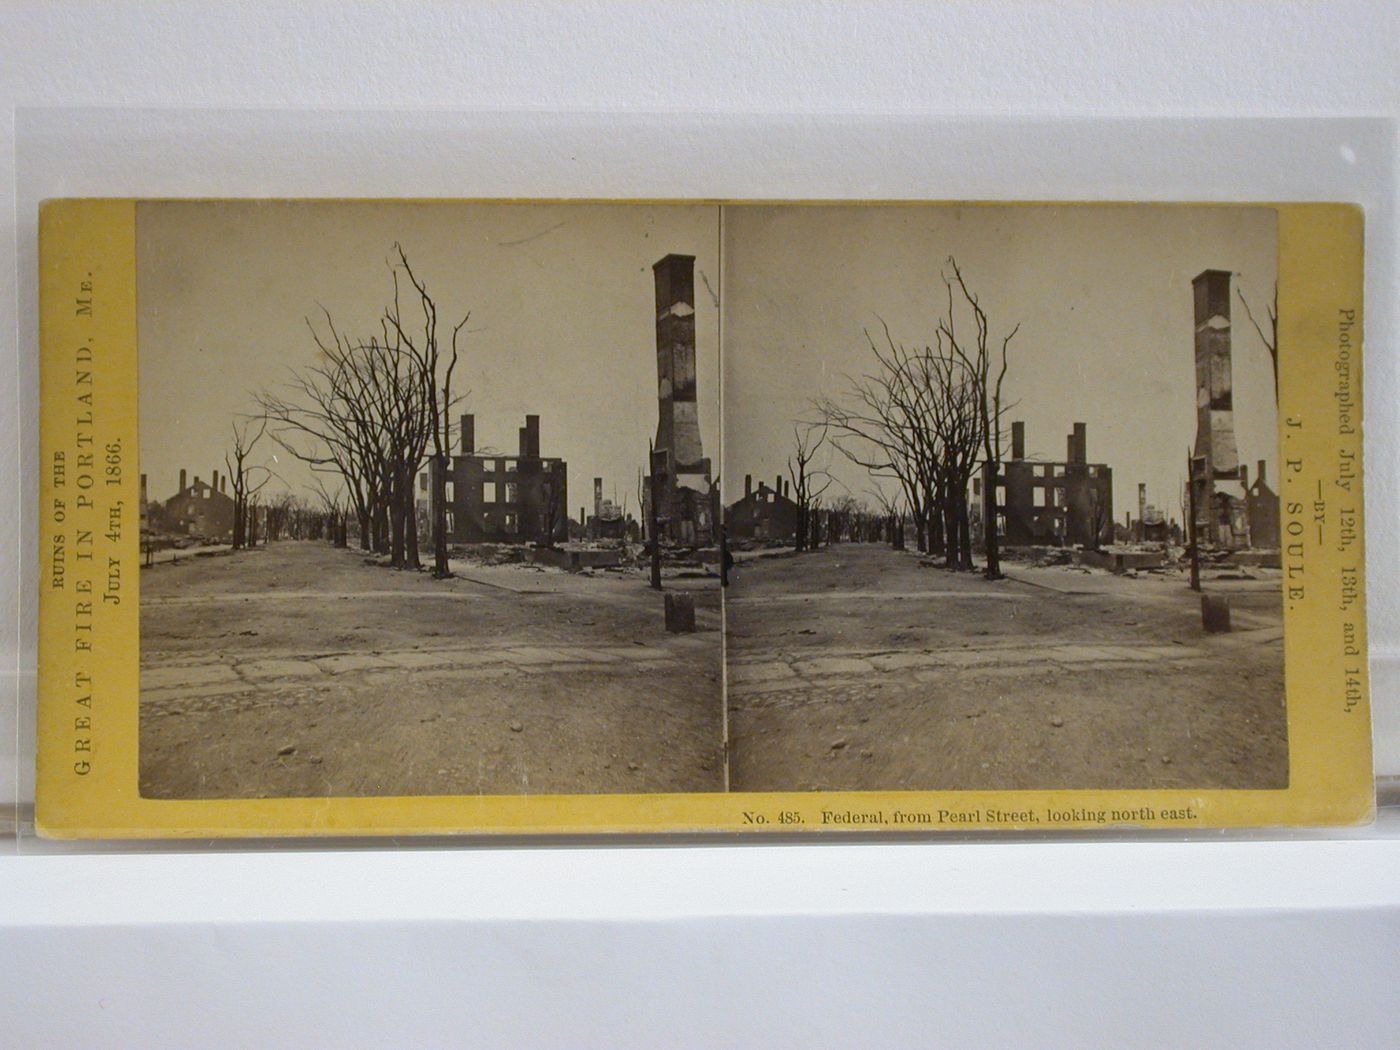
(1057, 504)
(495, 498)
(763, 513)
(200, 509)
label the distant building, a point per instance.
(1262, 502)
(200, 509)
(607, 521)
(1053, 504)
(764, 514)
(688, 501)
(495, 498)
(1152, 526)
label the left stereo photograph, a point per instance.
(397, 468)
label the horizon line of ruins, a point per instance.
(939, 441)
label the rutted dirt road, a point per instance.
(854, 667)
(300, 670)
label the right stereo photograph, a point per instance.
(1000, 498)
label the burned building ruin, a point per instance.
(1056, 504)
(201, 509)
(607, 522)
(763, 513)
(1262, 504)
(680, 476)
(496, 498)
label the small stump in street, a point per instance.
(680, 612)
(1215, 613)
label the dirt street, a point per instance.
(301, 670)
(854, 667)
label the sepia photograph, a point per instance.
(429, 499)
(995, 508)
(1001, 498)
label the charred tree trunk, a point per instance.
(439, 481)
(398, 532)
(949, 523)
(381, 528)
(938, 539)
(964, 535)
(240, 532)
(410, 520)
(411, 558)
(991, 540)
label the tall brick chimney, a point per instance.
(1215, 448)
(748, 485)
(214, 483)
(182, 479)
(1260, 473)
(1018, 440)
(678, 428)
(468, 432)
(1081, 443)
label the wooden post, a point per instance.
(680, 612)
(1191, 526)
(725, 558)
(1215, 613)
(654, 516)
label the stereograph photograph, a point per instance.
(969, 454)
(523, 499)
(399, 467)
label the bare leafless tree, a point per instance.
(333, 508)
(986, 367)
(325, 415)
(437, 402)
(949, 398)
(279, 517)
(1269, 338)
(914, 417)
(893, 513)
(247, 477)
(371, 410)
(809, 479)
(878, 423)
(1098, 517)
(556, 516)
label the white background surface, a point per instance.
(1037, 944)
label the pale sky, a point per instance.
(563, 321)
(1103, 296)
